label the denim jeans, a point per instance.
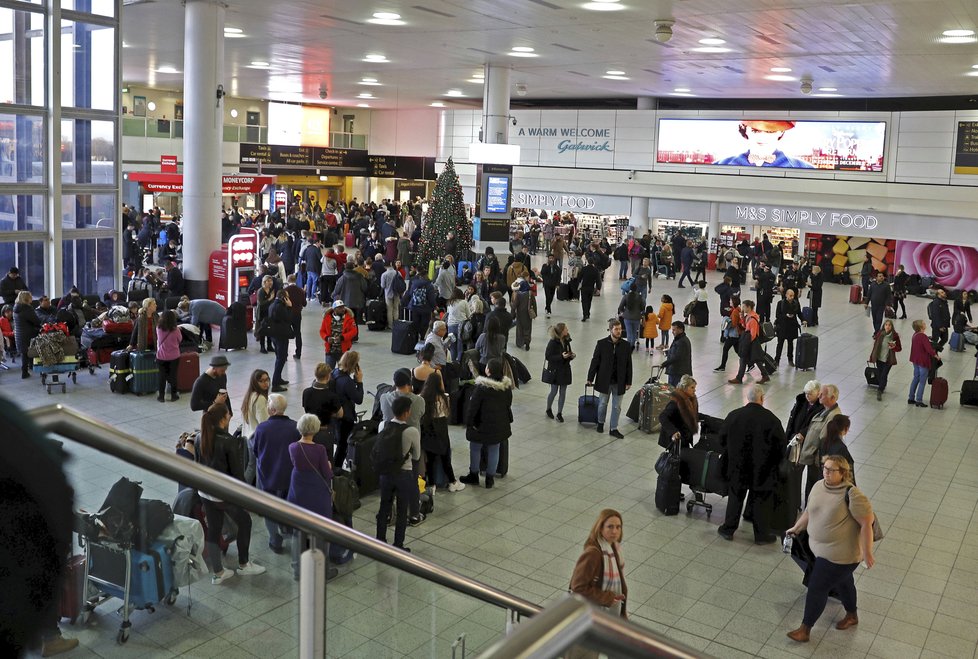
(312, 284)
(622, 269)
(631, 330)
(615, 408)
(401, 485)
(475, 456)
(883, 374)
(281, 355)
(456, 347)
(918, 383)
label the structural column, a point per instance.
(203, 128)
(713, 229)
(495, 105)
(638, 218)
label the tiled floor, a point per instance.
(920, 467)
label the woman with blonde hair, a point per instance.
(557, 371)
(599, 572)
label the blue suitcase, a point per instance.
(587, 407)
(150, 579)
(462, 265)
(145, 373)
(807, 316)
(957, 342)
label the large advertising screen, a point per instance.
(298, 125)
(835, 145)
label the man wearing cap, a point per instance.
(337, 331)
(762, 139)
(209, 386)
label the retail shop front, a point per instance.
(165, 189)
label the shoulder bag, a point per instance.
(877, 529)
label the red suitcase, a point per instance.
(72, 588)
(938, 393)
(188, 370)
(350, 241)
(100, 356)
(855, 294)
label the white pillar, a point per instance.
(54, 267)
(639, 216)
(713, 229)
(495, 105)
(645, 103)
(203, 128)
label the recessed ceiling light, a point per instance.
(521, 49)
(258, 64)
(386, 18)
(454, 92)
(958, 36)
(233, 30)
(958, 33)
(681, 90)
(365, 95)
(681, 94)
(126, 45)
(477, 81)
(166, 69)
(780, 69)
(712, 41)
(521, 54)
(363, 105)
(615, 77)
(615, 73)
(151, 106)
(370, 82)
(602, 5)
(828, 95)
(233, 33)
(375, 58)
(780, 78)
(827, 89)
(972, 73)
(711, 49)
(234, 113)
(437, 104)
(958, 39)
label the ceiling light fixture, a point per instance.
(370, 82)
(477, 81)
(828, 95)
(712, 41)
(958, 33)
(711, 49)
(958, 36)
(258, 64)
(827, 89)
(437, 104)
(363, 105)
(386, 18)
(603, 5)
(615, 73)
(615, 77)
(373, 57)
(521, 51)
(454, 92)
(780, 69)
(233, 33)
(972, 73)
(151, 106)
(233, 30)
(365, 95)
(234, 113)
(166, 69)
(780, 78)
(681, 94)
(681, 90)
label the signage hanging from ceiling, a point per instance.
(173, 183)
(328, 160)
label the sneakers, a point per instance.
(250, 569)
(456, 486)
(617, 435)
(719, 369)
(218, 579)
(417, 519)
(57, 645)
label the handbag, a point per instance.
(877, 529)
(548, 376)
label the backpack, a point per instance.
(767, 331)
(386, 455)
(398, 286)
(419, 297)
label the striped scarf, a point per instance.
(611, 577)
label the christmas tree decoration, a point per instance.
(446, 214)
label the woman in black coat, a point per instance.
(806, 407)
(787, 324)
(680, 417)
(557, 372)
(26, 326)
(815, 294)
(489, 416)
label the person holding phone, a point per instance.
(348, 379)
(599, 573)
(886, 344)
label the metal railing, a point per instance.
(572, 623)
(85, 430)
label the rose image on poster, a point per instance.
(952, 266)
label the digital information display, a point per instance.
(497, 194)
(784, 143)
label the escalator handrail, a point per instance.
(67, 422)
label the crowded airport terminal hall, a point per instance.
(289, 287)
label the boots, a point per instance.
(801, 635)
(850, 620)
(57, 645)
(469, 479)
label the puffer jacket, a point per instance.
(490, 411)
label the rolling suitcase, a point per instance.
(872, 377)
(938, 393)
(652, 399)
(361, 445)
(669, 485)
(350, 241)
(376, 315)
(587, 407)
(145, 373)
(120, 372)
(563, 292)
(806, 352)
(969, 392)
(403, 337)
(72, 589)
(151, 577)
(188, 369)
(767, 363)
(234, 328)
(701, 471)
(855, 294)
(957, 342)
(807, 315)
(99, 356)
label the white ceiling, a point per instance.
(875, 48)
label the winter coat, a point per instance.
(556, 363)
(26, 326)
(679, 357)
(877, 339)
(672, 421)
(280, 321)
(753, 439)
(351, 287)
(490, 411)
(631, 306)
(787, 319)
(801, 416)
(815, 292)
(610, 356)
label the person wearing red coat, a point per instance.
(921, 355)
(337, 331)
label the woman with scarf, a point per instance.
(599, 572)
(681, 416)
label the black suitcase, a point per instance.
(234, 328)
(360, 446)
(806, 352)
(767, 363)
(376, 315)
(872, 377)
(573, 288)
(563, 292)
(969, 392)
(403, 337)
(120, 372)
(701, 471)
(668, 488)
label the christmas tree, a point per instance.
(446, 213)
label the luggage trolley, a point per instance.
(701, 467)
(51, 375)
(117, 569)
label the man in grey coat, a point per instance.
(679, 357)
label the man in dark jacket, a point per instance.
(550, 274)
(174, 280)
(589, 278)
(679, 357)
(11, 284)
(765, 291)
(686, 257)
(940, 318)
(421, 299)
(280, 331)
(611, 375)
(753, 439)
(877, 298)
(270, 444)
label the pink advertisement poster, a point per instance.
(951, 266)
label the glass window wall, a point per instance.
(28, 256)
(22, 54)
(88, 151)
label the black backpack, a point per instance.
(386, 456)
